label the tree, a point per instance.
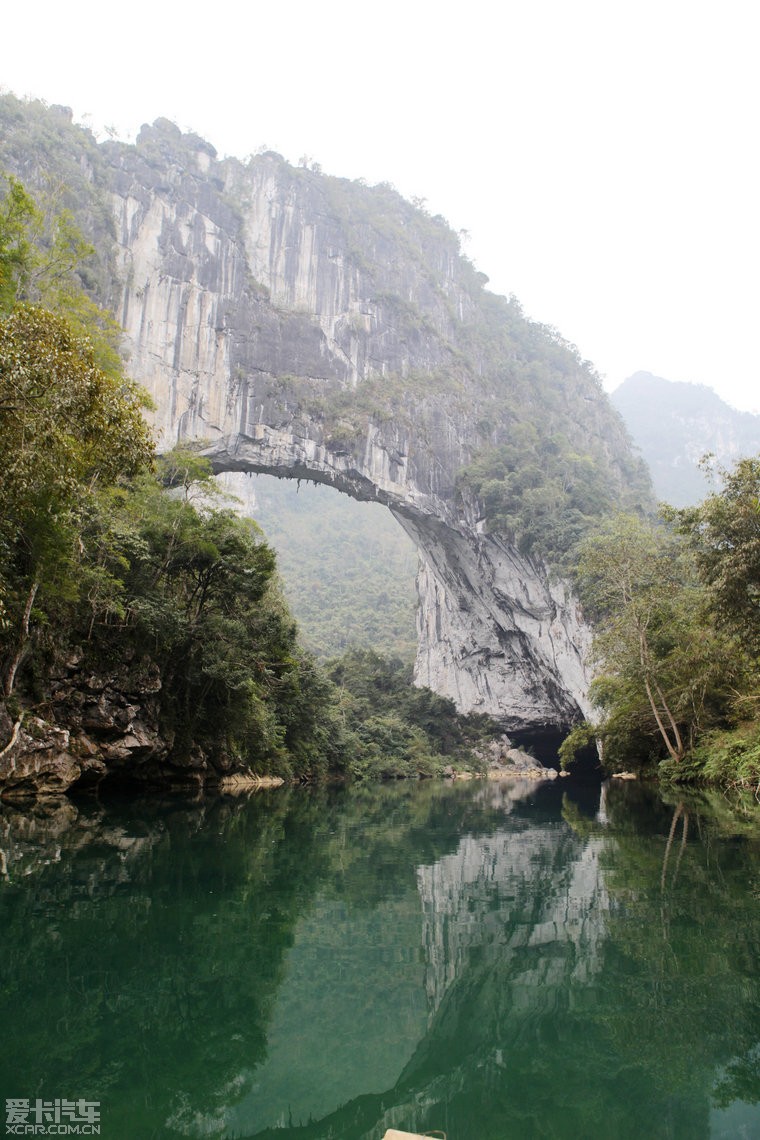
(171, 577)
(724, 533)
(663, 670)
(17, 215)
(66, 427)
(400, 729)
(540, 490)
(42, 258)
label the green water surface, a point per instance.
(489, 960)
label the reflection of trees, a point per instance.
(144, 944)
(153, 947)
(685, 940)
(680, 813)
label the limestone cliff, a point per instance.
(315, 328)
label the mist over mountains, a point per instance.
(674, 424)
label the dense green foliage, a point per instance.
(399, 730)
(677, 610)
(70, 422)
(539, 490)
(42, 253)
(553, 460)
(98, 551)
(187, 584)
(62, 164)
(724, 535)
(66, 429)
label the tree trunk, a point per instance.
(675, 750)
(673, 725)
(13, 739)
(675, 746)
(10, 678)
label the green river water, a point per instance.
(489, 960)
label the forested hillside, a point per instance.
(317, 328)
(143, 632)
(347, 568)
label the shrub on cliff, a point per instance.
(396, 728)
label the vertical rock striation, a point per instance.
(272, 315)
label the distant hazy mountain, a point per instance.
(675, 424)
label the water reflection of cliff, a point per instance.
(530, 898)
(513, 929)
(570, 993)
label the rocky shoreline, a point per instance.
(106, 724)
(94, 725)
(506, 762)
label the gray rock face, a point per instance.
(495, 635)
(111, 725)
(487, 877)
(112, 729)
(113, 717)
(297, 337)
(37, 760)
(313, 327)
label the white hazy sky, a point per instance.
(602, 155)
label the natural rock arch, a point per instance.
(494, 634)
(274, 317)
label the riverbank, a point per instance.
(112, 735)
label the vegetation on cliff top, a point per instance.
(675, 604)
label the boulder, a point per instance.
(37, 760)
